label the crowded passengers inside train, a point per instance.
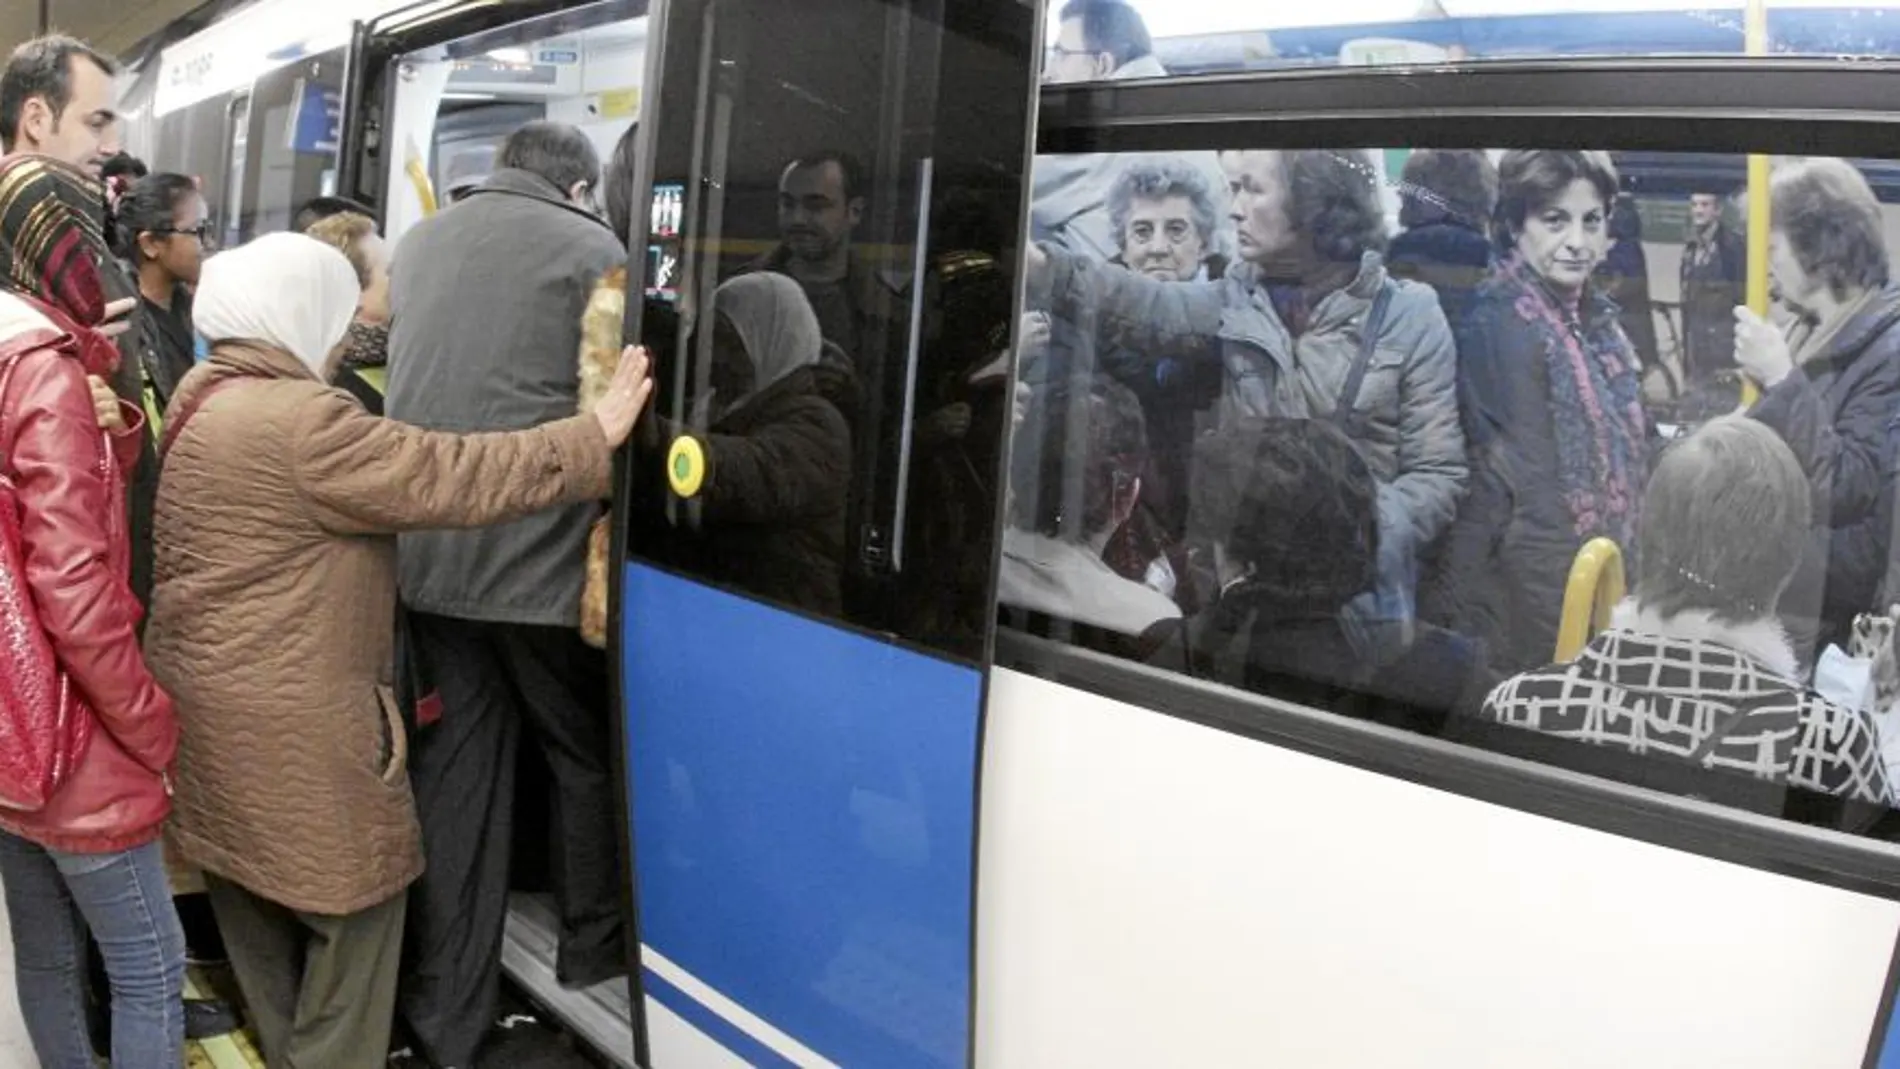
(1369, 431)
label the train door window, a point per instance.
(456, 103)
(1392, 433)
(843, 312)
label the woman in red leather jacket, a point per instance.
(90, 858)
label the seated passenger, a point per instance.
(1695, 666)
(1553, 411)
(276, 585)
(365, 365)
(1075, 475)
(777, 447)
(1307, 325)
(1446, 197)
(1290, 511)
(1831, 383)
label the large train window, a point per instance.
(1391, 433)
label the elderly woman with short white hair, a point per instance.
(1695, 667)
(272, 623)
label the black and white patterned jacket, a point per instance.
(1694, 689)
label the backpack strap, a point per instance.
(1346, 411)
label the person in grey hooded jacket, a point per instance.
(1288, 323)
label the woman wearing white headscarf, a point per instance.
(271, 626)
(777, 448)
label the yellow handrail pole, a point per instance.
(1757, 45)
(1610, 587)
(1595, 586)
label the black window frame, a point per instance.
(1718, 105)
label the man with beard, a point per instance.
(821, 202)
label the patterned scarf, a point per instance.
(1596, 405)
(366, 345)
(52, 236)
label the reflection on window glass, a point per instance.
(833, 198)
(1392, 432)
(1110, 40)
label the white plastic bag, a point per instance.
(1845, 680)
(1849, 681)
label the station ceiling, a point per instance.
(110, 25)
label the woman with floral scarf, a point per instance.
(1552, 405)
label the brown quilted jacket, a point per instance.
(272, 615)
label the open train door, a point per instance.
(808, 532)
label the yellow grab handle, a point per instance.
(1756, 42)
(418, 173)
(1596, 585)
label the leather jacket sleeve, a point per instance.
(70, 508)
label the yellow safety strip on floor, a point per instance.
(233, 1051)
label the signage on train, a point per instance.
(234, 52)
(319, 125)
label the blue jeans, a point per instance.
(52, 899)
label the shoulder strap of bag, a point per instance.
(1346, 412)
(176, 426)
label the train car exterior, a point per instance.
(921, 768)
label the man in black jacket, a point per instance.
(1714, 267)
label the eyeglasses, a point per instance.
(202, 231)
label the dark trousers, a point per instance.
(495, 680)
(321, 990)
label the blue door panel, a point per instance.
(803, 804)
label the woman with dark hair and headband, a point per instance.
(89, 858)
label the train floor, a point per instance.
(522, 1038)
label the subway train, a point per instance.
(927, 815)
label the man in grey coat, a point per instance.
(487, 300)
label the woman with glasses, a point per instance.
(161, 230)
